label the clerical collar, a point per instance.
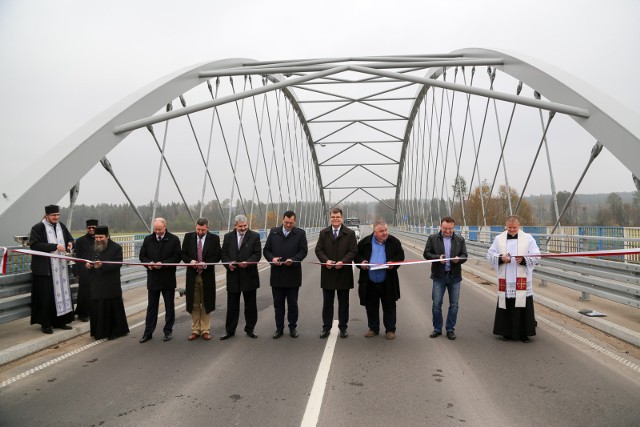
(509, 236)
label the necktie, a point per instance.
(335, 234)
(240, 237)
(286, 233)
(200, 253)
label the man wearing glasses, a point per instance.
(446, 274)
(84, 249)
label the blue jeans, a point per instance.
(441, 284)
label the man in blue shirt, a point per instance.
(446, 274)
(379, 284)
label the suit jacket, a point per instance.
(435, 247)
(105, 281)
(41, 265)
(242, 279)
(166, 251)
(211, 252)
(394, 252)
(293, 247)
(83, 248)
(345, 249)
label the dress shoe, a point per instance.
(343, 334)
(435, 334)
(370, 334)
(65, 327)
(193, 336)
(167, 337)
(451, 335)
(294, 333)
(251, 334)
(47, 329)
(206, 336)
(277, 334)
(390, 335)
(524, 339)
(145, 338)
(226, 336)
(325, 333)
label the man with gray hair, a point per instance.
(241, 251)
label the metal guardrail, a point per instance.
(617, 281)
(15, 287)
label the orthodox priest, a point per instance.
(515, 317)
(108, 318)
(84, 250)
(51, 304)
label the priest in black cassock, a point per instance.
(51, 304)
(108, 318)
(84, 250)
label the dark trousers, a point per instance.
(83, 302)
(233, 311)
(327, 308)
(376, 294)
(152, 311)
(290, 295)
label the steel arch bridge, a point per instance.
(404, 130)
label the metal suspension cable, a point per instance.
(535, 159)
(107, 165)
(274, 163)
(421, 141)
(157, 192)
(467, 115)
(503, 144)
(429, 161)
(285, 175)
(290, 151)
(554, 195)
(456, 182)
(438, 149)
(445, 157)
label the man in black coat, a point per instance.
(337, 246)
(446, 275)
(160, 247)
(84, 249)
(198, 248)
(379, 285)
(285, 248)
(108, 316)
(241, 248)
(51, 303)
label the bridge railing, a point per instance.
(15, 286)
(613, 278)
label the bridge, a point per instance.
(468, 133)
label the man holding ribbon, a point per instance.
(84, 250)
(51, 304)
(515, 317)
(451, 249)
(200, 248)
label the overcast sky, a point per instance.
(63, 62)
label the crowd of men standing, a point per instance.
(377, 256)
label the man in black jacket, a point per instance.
(286, 246)
(158, 248)
(84, 249)
(198, 248)
(379, 285)
(446, 274)
(241, 252)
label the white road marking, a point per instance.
(312, 412)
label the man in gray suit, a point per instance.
(241, 250)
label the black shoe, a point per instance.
(506, 337)
(167, 337)
(451, 335)
(294, 333)
(226, 336)
(343, 334)
(65, 327)
(145, 338)
(251, 334)
(46, 329)
(435, 334)
(524, 339)
(325, 333)
(277, 334)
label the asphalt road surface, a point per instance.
(477, 380)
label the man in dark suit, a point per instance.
(84, 249)
(158, 248)
(286, 246)
(241, 249)
(198, 248)
(336, 248)
(379, 285)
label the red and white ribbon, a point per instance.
(3, 260)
